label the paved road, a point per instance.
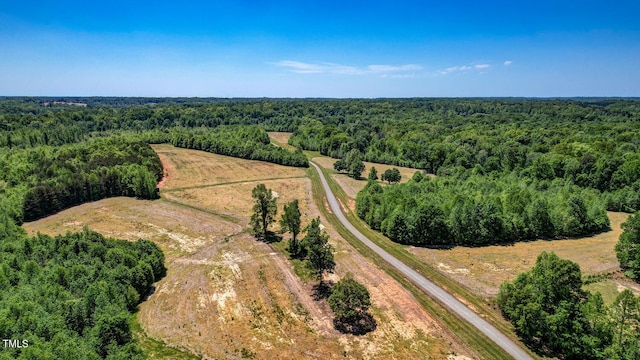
(427, 286)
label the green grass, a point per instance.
(467, 333)
(299, 267)
(607, 287)
(155, 349)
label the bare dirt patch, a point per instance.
(227, 295)
(484, 269)
(235, 301)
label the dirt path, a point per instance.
(322, 321)
(227, 295)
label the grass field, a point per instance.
(281, 139)
(227, 295)
(352, 186)
(482, 270)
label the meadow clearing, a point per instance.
(227, 295)
(350, 185)
(483, 269)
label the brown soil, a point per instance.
(227, 295)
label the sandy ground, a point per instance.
(227, 295)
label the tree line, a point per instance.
(44, 180)
(246, 142)
(474, 210)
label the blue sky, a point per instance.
(320, 48)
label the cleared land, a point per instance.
(352, 186)
(281, 139)
(227, 295)
(197, 169)
(483, 269)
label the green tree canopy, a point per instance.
(628, 247)
(373, 174)
(391, 176)
(349, 299)
(264, 210)
(319, 251)
(352, 163)
(550, 310)
(290, 222)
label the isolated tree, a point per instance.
(291, 222)
(391, 176)
(356, 168)
(373, 174)
(264, 210)
(319, 251)
(352, 163)
(340, 165)
(349, 299)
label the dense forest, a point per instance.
(477, 210)
(40, 181)
(71, 296)
(519, 168)
(508, 170)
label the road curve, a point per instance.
(427, 286)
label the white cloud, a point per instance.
(300, 67)
(462, 68)
(508, 62)
(331, 68)
(453, 69)
(390, 68)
